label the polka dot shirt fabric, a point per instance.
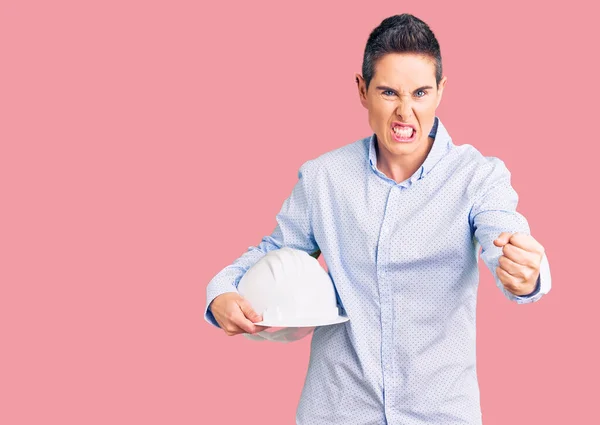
(403, 258)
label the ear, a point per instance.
(441, 90)
(362, 89)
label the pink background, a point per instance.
(145, 145)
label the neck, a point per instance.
(401, 167)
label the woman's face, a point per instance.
(403, 91)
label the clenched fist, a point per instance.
(235, 315)
(520, 265)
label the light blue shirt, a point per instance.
(403, 258)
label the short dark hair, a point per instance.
(401, 34)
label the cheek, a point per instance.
(375, 113)
(425, 113)
(380, 114)
(426, 108)
(372, 120)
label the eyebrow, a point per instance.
(389, 88)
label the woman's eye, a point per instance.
(391, 93)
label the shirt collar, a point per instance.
(442, 143)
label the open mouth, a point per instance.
(403, 134)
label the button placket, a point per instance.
(385, 289)
(387, 304)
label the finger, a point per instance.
(248, 311)
(520, 256)
(238, 323)
(239, 319)
(261, 328)
(512, 268)
(502, 239)
(233, 321)
(507, 279)
(513, 284)
(256, 328)
(526, 242)
(232, 329)
(246, 325)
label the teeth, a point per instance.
(403, 131)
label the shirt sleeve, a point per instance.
(493, 212)
(293, 229)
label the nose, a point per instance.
(404, 109)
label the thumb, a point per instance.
(502, 239)
(249, 311)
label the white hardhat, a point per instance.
(291, 290)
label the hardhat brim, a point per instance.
(300, 323)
